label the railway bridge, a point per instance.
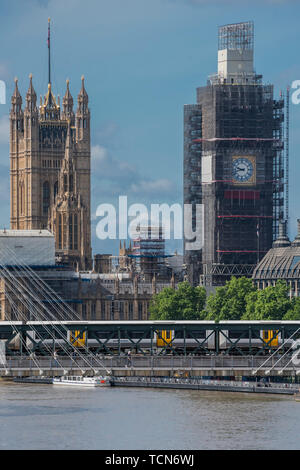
(154, 366)
(151, 348)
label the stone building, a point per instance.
(90, 296)
(281, 262)
(34, 287)
(50, 170)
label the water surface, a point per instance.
(35, 416)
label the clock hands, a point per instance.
(242, 169)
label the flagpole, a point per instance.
(49, 63)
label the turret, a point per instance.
(83, 115)
(16, 113)
(296, 242)
(282, 240)
(31, 117)
(30, 98)
(68, 112)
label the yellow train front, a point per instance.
(164, 338)
(77, 338)
(270, 338)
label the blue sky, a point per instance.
(142, 61)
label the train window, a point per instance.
(132, 334)
(266, 335)
(41, 334)
(102, 334)
(198, 334)
(5, 335)
(236, 334)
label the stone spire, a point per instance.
(68, 105)
(68, 172)
(68, 146)
(83, 96)
(31, 97)
(83, 117)
(16, 99)
(82, 100)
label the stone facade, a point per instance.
(282, 262)
(50, 171)
(90, 296)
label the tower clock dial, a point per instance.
(242, 170)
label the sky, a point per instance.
(142, 61)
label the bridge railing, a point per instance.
(196, 381)
(151, 362)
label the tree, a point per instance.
(294, 312)
(229, 302)
(184, 303)
(271, 303)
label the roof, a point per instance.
(279, 263)
(25, 233)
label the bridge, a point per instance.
(153, 366)
(43, 335)
(157, 348)
(242, 338)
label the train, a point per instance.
(180, 337)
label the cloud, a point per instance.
(122, 178)
(110, 168)
(151, 187)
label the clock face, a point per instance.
(242, 170)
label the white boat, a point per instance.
(75, 380)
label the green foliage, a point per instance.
(184, 303)
(237, 300)
(294, 312)
(229, 302)
(271, 303)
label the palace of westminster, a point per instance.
(50, 165)
(226, 166)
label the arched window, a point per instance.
(70, 183)
(75, 232)
(71, 232)
(46, 197)
(64, 231)
(65, 183)
(59, 231)
(55, 189)
(22, 198)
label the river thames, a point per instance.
(34, 416)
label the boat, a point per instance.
(78, 380)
